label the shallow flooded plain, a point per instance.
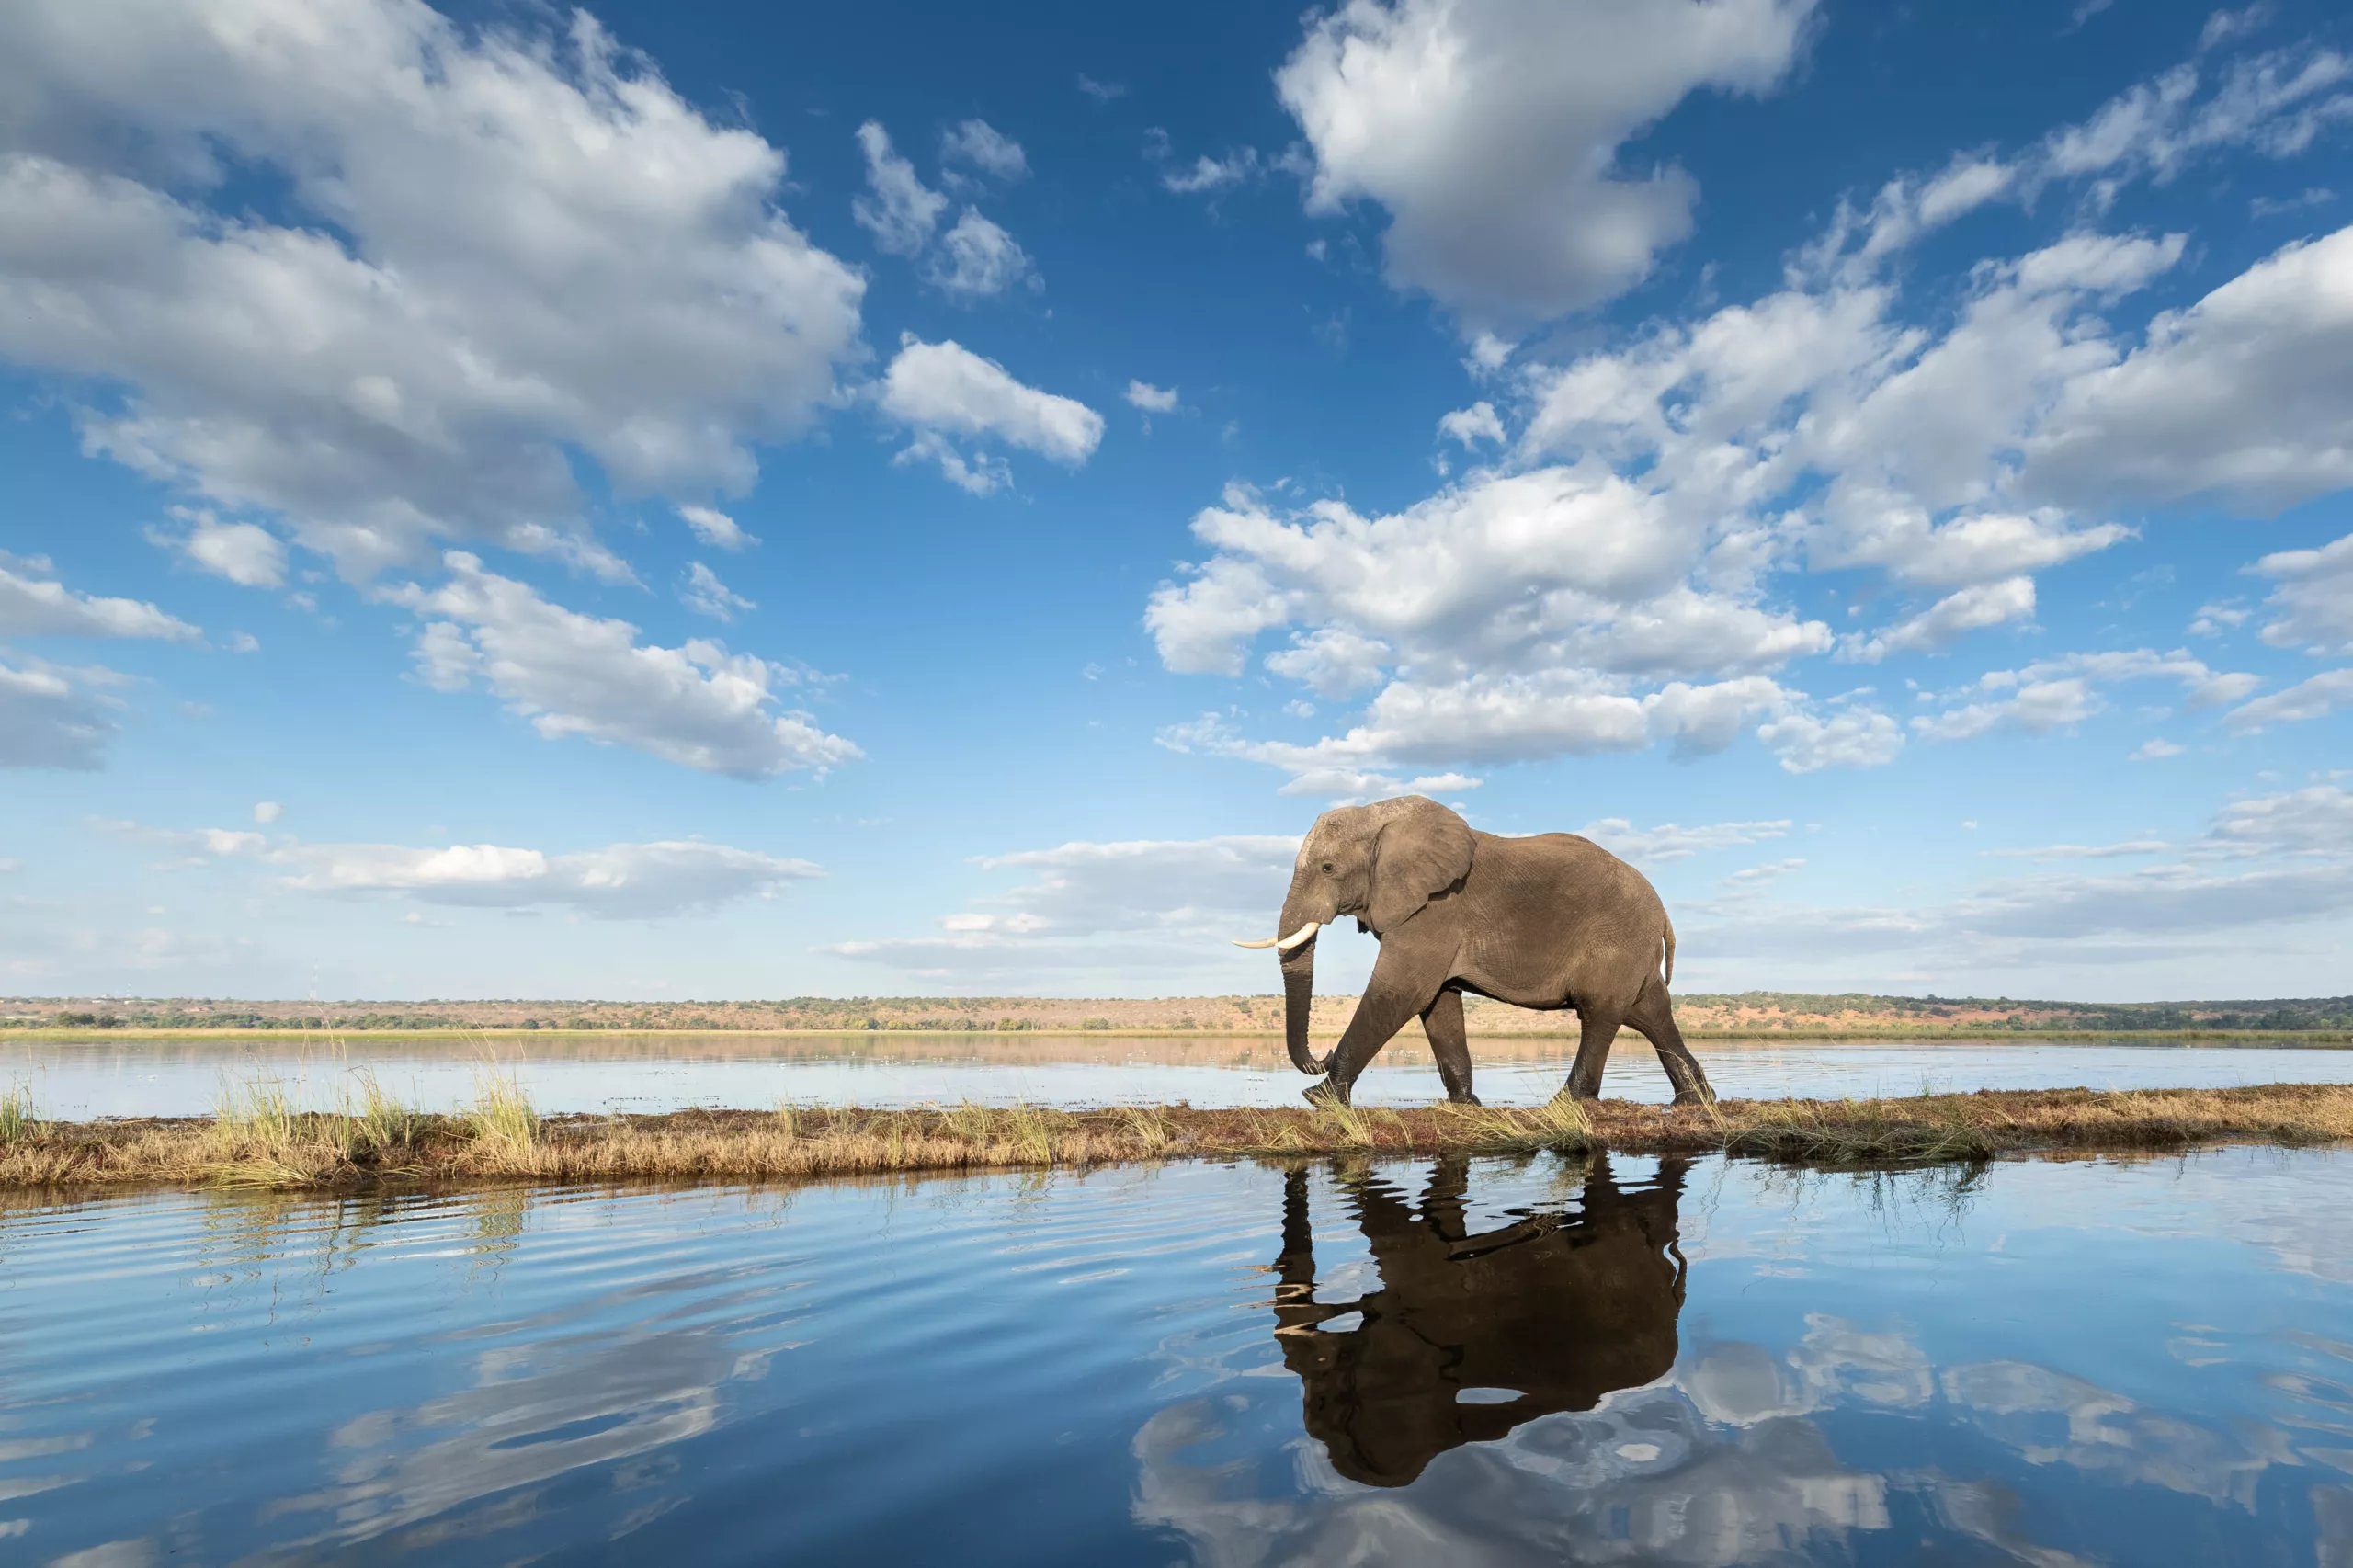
(1475, 1361)
(75, 1080)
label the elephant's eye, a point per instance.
(1327, 867)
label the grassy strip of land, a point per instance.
(255, 1140)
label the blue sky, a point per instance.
(674, 501)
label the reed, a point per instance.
(503, 1124)
(1033, 1133)
(1148, 1126)
(252, 1110)
(16, 1121)
(258, 1139)
(382, 1123)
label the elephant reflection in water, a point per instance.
(1546, 1315)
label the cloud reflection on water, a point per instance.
(1482, 1362)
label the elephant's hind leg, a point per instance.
(1451, 1043)
(1653, 1014)
(1596, 1029)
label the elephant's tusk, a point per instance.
(1286, 943)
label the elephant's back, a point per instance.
(1572, 860)
(1560, 919)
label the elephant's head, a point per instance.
(1381, 863)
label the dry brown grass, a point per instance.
(257, 1140)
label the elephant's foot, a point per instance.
(1695, 1096)
(1579, 1093)
(1329, 1093)
(1465, 1097)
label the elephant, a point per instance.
(1546, 1315)
(1548, 922)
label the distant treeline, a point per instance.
(1744, 1014)
(357, 1022)
(2298, 1014)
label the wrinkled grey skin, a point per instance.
(1551, 922)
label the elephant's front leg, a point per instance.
(1451, 1043)
(1401, 987)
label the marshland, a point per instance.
(258, 1137)
(331, 1110)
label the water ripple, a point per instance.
(1498, 1362)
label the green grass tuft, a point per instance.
(501, 1116)
(16, 1123)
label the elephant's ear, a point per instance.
(1420, 849)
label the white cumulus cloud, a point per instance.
(945, 391)
(977, 258)
(576, 674)
(715, 528)
(1669, 842)
(403, 360)
(1489, 130)
(1519, 616)
(2312, 605)
(1634, 535)
(618, 881)
(1850, 737)
(2263, 864)
(1135, 906)
(705, 595)
(245, 554)
(35, 606)
(2055, 693)
(1971, 610)
(2314, 821)
(898, 209)
(2316, 698)
(2246, 396)
(1469, 427)
(979, 145)
(54, 716)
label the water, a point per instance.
(1487, 1362)
(77, 1080)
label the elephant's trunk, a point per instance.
(1299, 984)
(1299, 997)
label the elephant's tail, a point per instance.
(1669, 976)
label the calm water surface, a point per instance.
(654, 1073)
(1412, 1362)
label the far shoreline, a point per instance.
(2286, 1038)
